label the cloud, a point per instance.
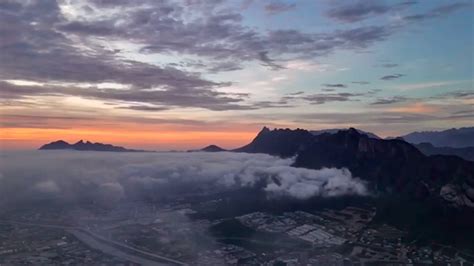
(42, 54)
(439, 11)
(66, 42)
(457, 95)
(218, 34)
(336, 85)
(411, 115)
(57, 46)
(143, 108)
(390, 100)
(369, 118)
(151, 100)
(326, 183)
(361, 82)
(391, 77)
(462, 114)
(158, 99)
(47, 120)
(224, 67)
(266, 61)
(296, 93)
(278, 7)
(111, 192)
(282, 103)
(47, 186)
(426, 85)
(110, 177)
(390, 65)
(362, 37)
(322, 98)
(355, 11)
(46, 51)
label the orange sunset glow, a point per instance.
(25, 138)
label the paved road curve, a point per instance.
(108, 246)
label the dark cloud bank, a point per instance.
(355, 11)
(42, 44)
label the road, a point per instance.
(108, 246)
(107, 249)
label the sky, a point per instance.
(184, 74)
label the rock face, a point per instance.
(390, 166)
(430, 196)
(279, 142)
(84, 146)
(456, 138)
(335, 130)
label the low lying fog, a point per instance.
(110, 177)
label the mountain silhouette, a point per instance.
(212, 148)
(456, 138)
(430, 196)
(84, 146)
(394, 165)
(466, 153)
(335, 130)
(279, 142)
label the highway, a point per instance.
(108, 246)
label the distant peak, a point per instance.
(212, 148)
(352, 130)
(59, 144)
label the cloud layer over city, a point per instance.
(107, 178)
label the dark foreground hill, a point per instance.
(85, 146)
(427, 194)
(392, 165)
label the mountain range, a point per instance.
(426, 148)
(466, 153)
(85, 146)
(431, 196)
(391, 165)
(423, 193)
(455, 137)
